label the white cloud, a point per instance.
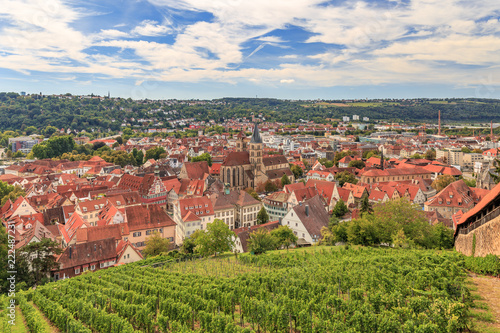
(376, 45)
(112, 33)
(151, 29)
(271, 39)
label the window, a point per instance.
(92, 267)
(137, 234)
(85, 269)
(77, 270)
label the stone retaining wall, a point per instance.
(487, 240)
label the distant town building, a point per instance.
(23, 144)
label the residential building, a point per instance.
(306, 220)
(191, 214)
(145, 220)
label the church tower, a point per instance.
(255, 149)
(240, 144)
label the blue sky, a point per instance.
(297, 49)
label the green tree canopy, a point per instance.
(284, 236)
(442, 181)
(340, 208)
(203, 157)
(217, 238)
(345, 177)
(285, 180)
(53, 147)
(40, 257)
(261, 241)
(358, 164)
(262, 216)
(156, 153)
(156, 245)
(366, 205)
(297, 171)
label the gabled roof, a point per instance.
(146, 217)
(313, 215)
(196, 170)
(324, 188)
(87, 253)
(274, 160)
(237, 158)
(493, 194)
(122, 246)
(37, 230)
(292, 187)
(92, 234)
(201, 206)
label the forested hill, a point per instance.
(89, 112)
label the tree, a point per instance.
(358, 164)
(284, 236)
(340, 208)
(285, 180)
(155, 153)
(442, 236)
(325, 162)
(430, 154)
(40, 257)
(216, 239)
(466, 150)
(30, 130)
(4, 248)
(49, 130)
(203, 157)
(253, 193)
(54, 147)
(156, 245)
(16, 192)
(416, 156)
(270, 186)
(261, 241)
(297, 171)
(345, 177)
(188, 246)
(442, 181)
(262, 216)
(366, 205)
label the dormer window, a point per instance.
(96, 207)
(118, 203)
(84, 209)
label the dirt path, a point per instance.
(489, 289)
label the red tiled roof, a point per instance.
(196, 170)
(492, 195)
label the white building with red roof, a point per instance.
(191, 214)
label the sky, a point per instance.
(291, 49)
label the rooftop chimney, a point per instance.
(70, 250)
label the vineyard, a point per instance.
(326, 290)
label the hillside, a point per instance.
(324, 290)
(108, 114)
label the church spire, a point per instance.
(256, 136)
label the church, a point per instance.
(247, 167)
